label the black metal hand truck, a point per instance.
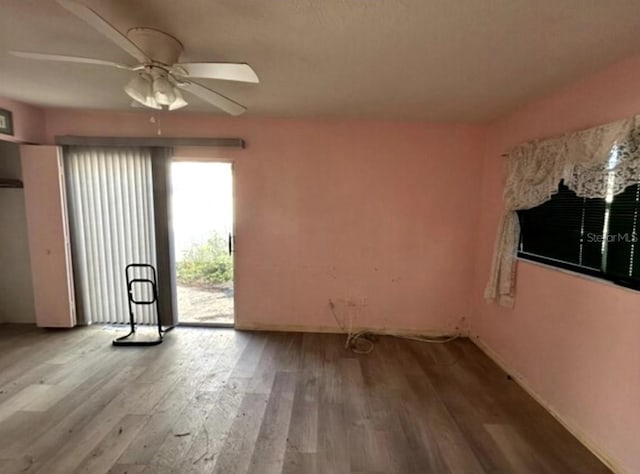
(131, 281)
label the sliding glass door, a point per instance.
(202, 215)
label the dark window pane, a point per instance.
(621, 245)
(586, 235)
(592, 225)
(554, 229)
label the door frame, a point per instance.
(205, 155)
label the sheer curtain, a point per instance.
(110, 194)
(593, 163)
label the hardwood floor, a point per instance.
(215, 400)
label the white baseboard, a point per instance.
(576, 432)
(250, 326)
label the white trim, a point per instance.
(257, 326)
(592, 446)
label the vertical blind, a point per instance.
(110, 194)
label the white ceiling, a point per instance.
(443, 60)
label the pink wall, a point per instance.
(28, 122)
(572, 340)
(379, 213)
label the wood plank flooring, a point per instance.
(220, 401)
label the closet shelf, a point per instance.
(10, 183)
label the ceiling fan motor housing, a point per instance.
(159, 46)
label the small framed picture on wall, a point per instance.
(6, 122)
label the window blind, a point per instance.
(622, 249)
(110, 195)
(589, 235)
(565, 229)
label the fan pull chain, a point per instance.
(153, 119)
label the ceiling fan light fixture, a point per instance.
(179, 101)
(163, 91)
(139, 89)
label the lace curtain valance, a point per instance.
(594, 163)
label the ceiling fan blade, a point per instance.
(241, 72)
(214, 98)
(68, 59)
(103, 26)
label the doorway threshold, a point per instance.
(199, 324)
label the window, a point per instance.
(595, 236)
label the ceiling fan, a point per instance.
(159, 76)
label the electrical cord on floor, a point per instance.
(363, 342)
(360, 342)
(430, 340)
